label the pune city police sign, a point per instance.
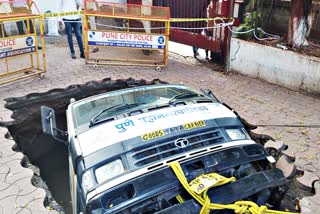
(129, 40)
(17, 46)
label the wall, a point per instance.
(276, 20)
(45, 5)
(274, 65)
(51, 25)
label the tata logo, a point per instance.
(181, 143)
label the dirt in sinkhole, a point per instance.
(44, 152)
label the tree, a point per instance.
(300, 22)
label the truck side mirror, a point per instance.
(49, 126)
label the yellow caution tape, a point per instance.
(206, 181)
(50, 15)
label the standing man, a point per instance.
(23, 7)
(72, 22)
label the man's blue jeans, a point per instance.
(75, 25)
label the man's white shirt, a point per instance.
(69, 6)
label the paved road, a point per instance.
(257, 101)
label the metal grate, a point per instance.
(163, 150)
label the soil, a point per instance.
(311, 50)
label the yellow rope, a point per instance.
(239, 207)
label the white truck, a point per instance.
(121, 144)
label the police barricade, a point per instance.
(138, 35)
(19, 53)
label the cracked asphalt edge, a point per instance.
(17, 193)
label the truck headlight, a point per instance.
(109, 171)
(87, 180)
(236, 134)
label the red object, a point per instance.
(190, 33)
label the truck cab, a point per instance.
(121, 143)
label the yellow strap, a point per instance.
(180, 199)
(239, 207)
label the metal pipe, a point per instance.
(227, 39)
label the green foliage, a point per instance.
(250, 22)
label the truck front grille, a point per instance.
(163, 150)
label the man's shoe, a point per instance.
(82, 56)
(73, 56)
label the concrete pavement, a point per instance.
(255, 100)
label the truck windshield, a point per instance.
(83, 111)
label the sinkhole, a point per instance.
(49, 159)
(41, 151)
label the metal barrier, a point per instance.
(19, 52)
(199, 23)
(127, 29)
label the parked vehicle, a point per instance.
(121, 144)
